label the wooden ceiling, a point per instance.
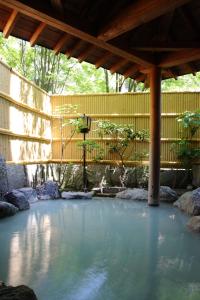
(124, 36)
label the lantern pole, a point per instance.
(86, 125)
(84, 165)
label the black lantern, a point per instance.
(84, 127)
(84, 124)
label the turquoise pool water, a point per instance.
(101, 249)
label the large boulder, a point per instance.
(77, 195)
(18, 199)
(194, 224)
(133, 194)
(189, 202)
(7, 209)
(30, 194)
(20, 292)
(167, 194)
(48, 190)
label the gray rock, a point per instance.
(196, 174)
(18, 199)
(189, 202)
(20, 292)
(7, 209)
(133, 194)
(167, 194)
(30, 194)
(77, 195)
(194, 224)
(3, 177)
(48, 190)
(16, 176)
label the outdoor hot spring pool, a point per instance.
(101, 249)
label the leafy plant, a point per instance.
(121, 137)
(190, 123)
(93, 148)
(184, 148)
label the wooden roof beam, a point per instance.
(114, 68)
(99, 63)
(60, 43)
(138, 13)
(62, 26)
(35, 36)
(83, 55)
(10, 24)
(178, 58)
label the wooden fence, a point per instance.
(25, 119)
(123, 109)
(30, 130)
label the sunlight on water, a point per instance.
(102, 249)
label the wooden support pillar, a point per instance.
(155, 125)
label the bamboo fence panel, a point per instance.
(123, 109)
(23, 90)
(25, 119)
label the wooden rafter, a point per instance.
(35, 14)
(192, 65)
(69, 52)
(57, 4)
(99, 63)
(130, 71)
(188, 20)
(35, 36)
(169, 74)
(138, 13)
(178, 58)
(141, 78)
(84, 54)
(60, 43)
(114, 68)
(10, 24)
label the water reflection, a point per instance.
(101, 249)
(27, 249)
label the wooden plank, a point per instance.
(178, 58)
(25, 106)
(10, 24)
(42, 17)
(35, 36)
(24, 136)
(138, 13)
